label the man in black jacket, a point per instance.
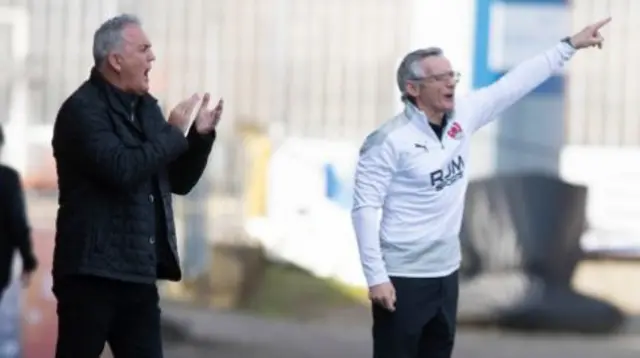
(14, 226)
(118, 162)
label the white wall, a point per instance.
(603, 126)
(604, 86)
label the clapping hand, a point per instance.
(180, 116)
(207, 119)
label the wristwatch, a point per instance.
(567, 40)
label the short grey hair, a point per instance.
(108, 36)
(410, 70)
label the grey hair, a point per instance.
(410, 70)
(108, 36)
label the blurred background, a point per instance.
(269, 255)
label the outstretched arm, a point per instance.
(490, 101)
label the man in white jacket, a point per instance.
(413, 169)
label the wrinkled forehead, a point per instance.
(133, 35)
(434, 65)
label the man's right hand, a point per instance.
(383, 294)
(180, 116)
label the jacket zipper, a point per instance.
(133, 111)
(436, 136)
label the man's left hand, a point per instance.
(206, 119)
(590, 35)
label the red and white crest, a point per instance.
(455, 131)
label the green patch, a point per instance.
(242, 278)
(288, 291)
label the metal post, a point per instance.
(196, 256)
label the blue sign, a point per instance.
(510, 31)
(530, 134)
(339, 187)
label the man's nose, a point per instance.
(152, 56)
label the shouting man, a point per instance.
(413, 168)
(118, 162)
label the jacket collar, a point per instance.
(417, 116)
(119, 101)
(114, 93)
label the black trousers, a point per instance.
(93, 311)
(424, 322)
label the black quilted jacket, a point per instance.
(118, 162)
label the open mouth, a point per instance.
(449, 96)
(146, 73)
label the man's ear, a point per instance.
(413, 89)
(115, 61)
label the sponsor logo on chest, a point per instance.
(451, 173)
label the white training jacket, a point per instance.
(419, 181)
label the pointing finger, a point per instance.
(598, 25)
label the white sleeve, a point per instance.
(486, 103)
(374, 172)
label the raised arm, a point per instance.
(490, 101)
(374, 172)
(185, 171)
